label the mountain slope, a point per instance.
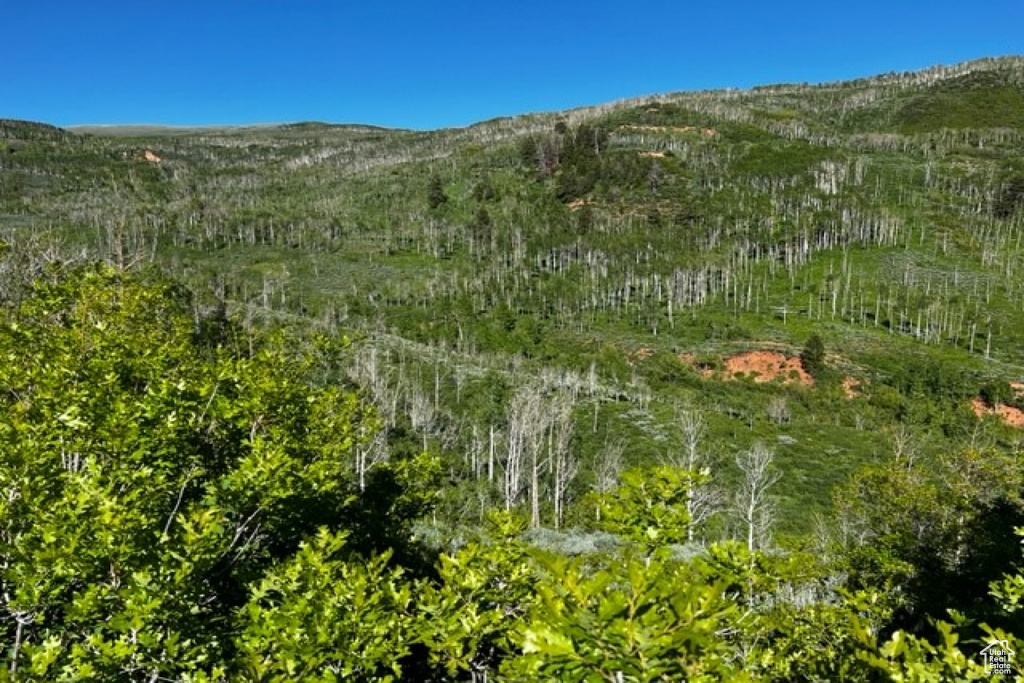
(628, 250)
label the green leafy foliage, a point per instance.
(435, 192)
(321, 617)
(636, 621)
(152, 478)
(812, 357)
(937, 540)
(649, 505)
(485, 589)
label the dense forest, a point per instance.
(703, 386)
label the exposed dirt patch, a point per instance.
(1011, 416)
(760, 366)
(852, 387)
(657, 155)
(980, 407)
(575, 204)
(768, 366)
(641, 354)
(150, 155)
(706, 132)
(1008, 414)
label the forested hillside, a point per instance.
(699, 386)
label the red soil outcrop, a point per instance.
(768, 366)
(1008, 414)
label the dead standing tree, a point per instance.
(565, 465)
(539, 432)
(702, 499)
(753, 505)
(523, 413)
(606, 471)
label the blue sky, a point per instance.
(437, 64)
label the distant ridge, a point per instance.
(143, 129)
(30, 130)
(1010, 67)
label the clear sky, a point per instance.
(440, 63)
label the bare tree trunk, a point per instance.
(490, 454)
(702, 501)
(534, 488)
(606, 470)
(566, 466)
(524, 430)
(752, 502)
